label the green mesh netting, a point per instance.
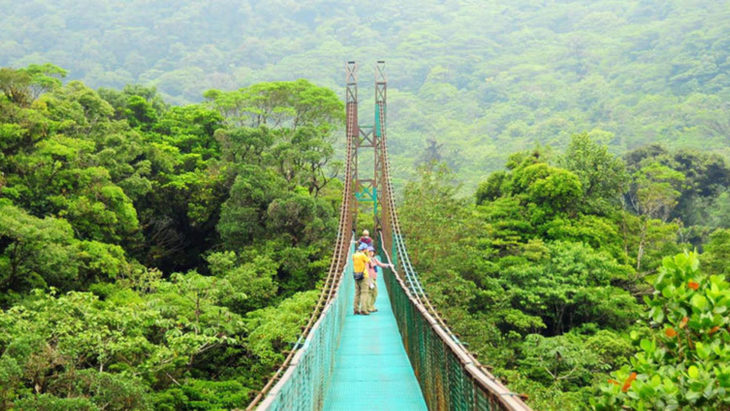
(304, 384)
(444, 380)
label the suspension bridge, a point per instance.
(404, 357)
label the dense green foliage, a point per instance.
(157, 257)
(544, 275)
(470, 81)
(686, 362)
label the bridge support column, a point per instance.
(367, 183)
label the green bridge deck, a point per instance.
(372, 371)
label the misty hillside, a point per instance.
(469, 80)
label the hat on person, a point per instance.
(362, 247)
(371, 248)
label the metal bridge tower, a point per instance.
(352, 132)
(366, 188)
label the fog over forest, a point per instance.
(477, 79)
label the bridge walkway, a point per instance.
(372, 370)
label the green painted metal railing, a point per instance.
(305, 382)
(450, 378)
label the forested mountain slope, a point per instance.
(156, 257)
(469, 81)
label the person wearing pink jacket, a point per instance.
(372, 278)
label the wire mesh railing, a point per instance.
(304, 383)
(450, 378)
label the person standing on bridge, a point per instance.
(360, 262)
(365, 239)
(373, 279)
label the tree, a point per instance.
(295, 119)
(23, 86)
(191, 128)
(243, 214)
(42, 253)
(706, 176)
(313, 157)
(35, 252)
(244, 145)
(140, 113)
(567, 284)
(279, 105)
(15, 85)
(90, 182)
(491, 188)
(253, 281)
(112, 349)
(684, 363)
(120, 100)
(275, 328)
(429, 207)
(303, 159)
(655, 193)
(602, 175)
